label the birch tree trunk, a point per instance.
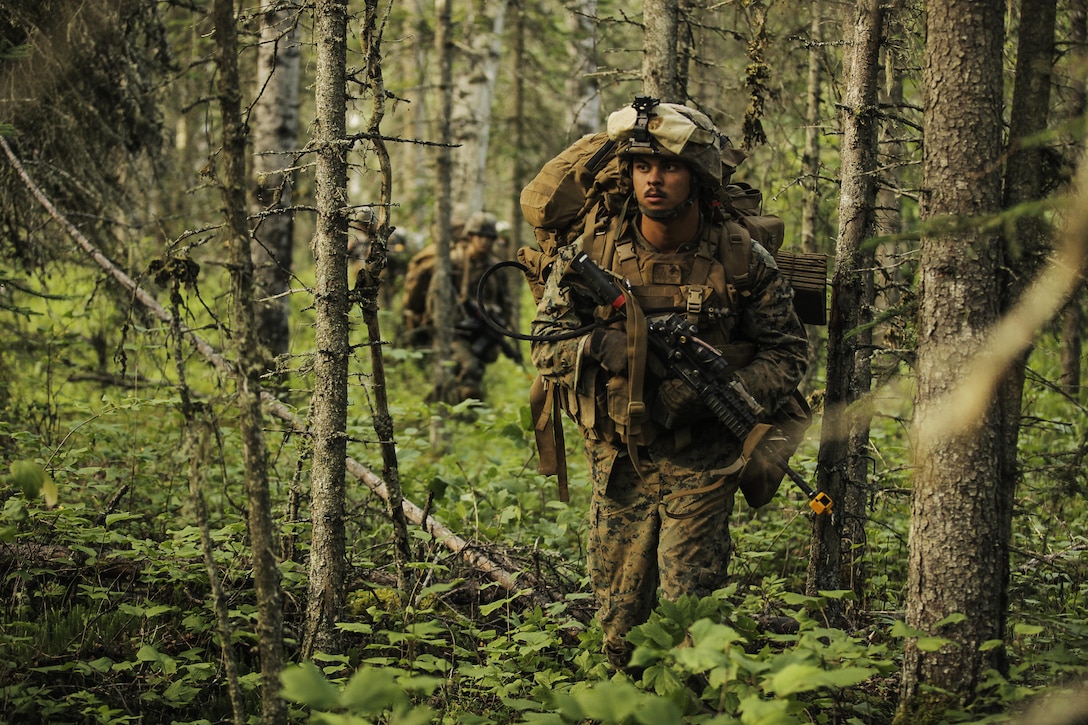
(660, 69)
(328, 411)
(422, 50)
(472, 114)
(838, 546)
(275, 143)
(810, 161)
(959, 532)
(266, 578)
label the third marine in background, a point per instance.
(475, 344)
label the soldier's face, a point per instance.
(480, 245)
(661, 183)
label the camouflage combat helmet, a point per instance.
(482, 223)
(648, 126)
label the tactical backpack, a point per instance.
(580, 195)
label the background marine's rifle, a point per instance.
(473, 326)
(701, 366)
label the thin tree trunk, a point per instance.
(440, 296)
(660, 68)
(1027, 251)
(889, 218)
(810, 161)
(519, 173)
(472, 119)
(266, 576)
(958, 535)
(1073, 316)
(197, 432)
(370, 285)
(839, 540)
(422, 46)
(275, 142)
(195, 449)
(756, 74)
(328, 414)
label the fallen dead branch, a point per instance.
(460, 546)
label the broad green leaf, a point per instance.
(954, 618)
(1027, 629)
(795, 678)
(755, 710)
(112, 519)
(49, 492)
(372, 690)
(29, 477)
(932, 644)
(15, 509)
(610, 701)
(306, 685)
(357, 627)
(900, 629)
(147, 653)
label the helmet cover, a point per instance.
(670, 129)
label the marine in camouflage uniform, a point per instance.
(663, 521)
(474, 345)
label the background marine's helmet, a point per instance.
(669, 129)
(483, 223)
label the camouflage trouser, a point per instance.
(668, 527)
(468, 372)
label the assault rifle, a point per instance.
(699, 364)
(473, 326)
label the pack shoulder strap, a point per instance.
(735, 253)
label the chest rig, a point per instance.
(708, 283)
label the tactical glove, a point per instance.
(609, 348)
(678, 404)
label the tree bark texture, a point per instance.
(328, 411)
(660, 74)
(1029, 242)
(275, 143)
(518, 172)
(371, 282)
(756, 76)
(266, 577)
(440, 296)
(839, 540)
(889, 218)
(471, 124)
(958, 533)
(1073, 315)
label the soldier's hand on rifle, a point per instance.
(678, 404)
(609, 348)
